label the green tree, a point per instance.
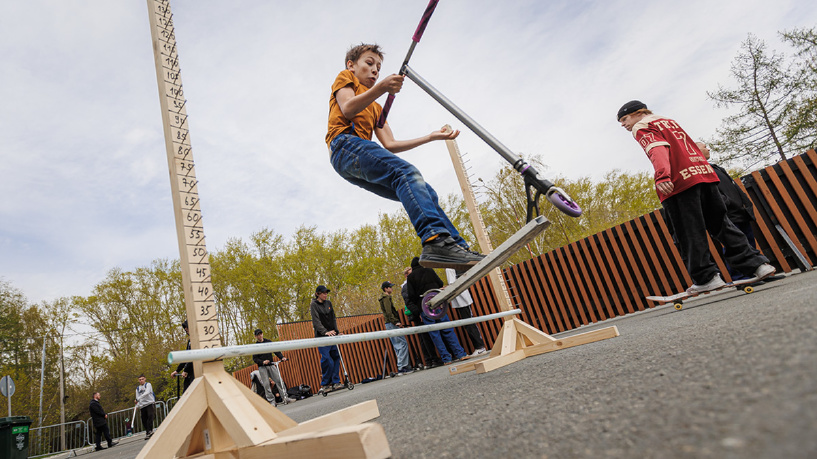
(766, 125)
(802, 127)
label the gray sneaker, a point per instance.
(445, 253)
(714, 284)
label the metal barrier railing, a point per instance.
(170, 403)
(118, 422)
(47, 440)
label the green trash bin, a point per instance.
(14, 437)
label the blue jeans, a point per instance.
(368, 165)
(443, 339)
(330, 365)
(400, 348)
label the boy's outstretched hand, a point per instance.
(446, 133)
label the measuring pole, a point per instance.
(195, 262)
(495, 276)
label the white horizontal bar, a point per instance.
(217, 353)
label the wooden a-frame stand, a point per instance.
(517, 340)
(219, 418)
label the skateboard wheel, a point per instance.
(678, 306)
(748, 289)
(435, 312)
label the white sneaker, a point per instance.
(479, 352)
(289, 400)
(763, 271)
(714, 284)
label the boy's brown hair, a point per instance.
(356, 51)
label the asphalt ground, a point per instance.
(730, 376)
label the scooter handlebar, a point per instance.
(418, 34)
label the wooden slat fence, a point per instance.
(602, 276)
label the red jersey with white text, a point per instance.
(673, 154)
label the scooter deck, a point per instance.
(684, 295)
(327, 392)
(501, 254)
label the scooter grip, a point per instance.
(382, 120)
(418, 34)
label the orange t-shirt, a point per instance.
(364, 121)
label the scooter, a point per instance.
(535, 184)
(347, 384)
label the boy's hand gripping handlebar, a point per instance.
(418, 34)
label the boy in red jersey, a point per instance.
(688, 189)
(353, 114)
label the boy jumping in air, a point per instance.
(353, 114)
(688, 189)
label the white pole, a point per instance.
(42, 380)
(62, 397)
(278, 346)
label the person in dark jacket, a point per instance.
(185, 369)
(325, 324)
(100, 421)
(739, 208)
(268, 370)
(414, 316)
(420, 281)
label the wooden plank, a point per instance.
(572, 341)
(353, 415)
(236, 415)
(509, 343)
(366, 441)
(493, 363)
(535, 335)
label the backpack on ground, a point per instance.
(300, 392)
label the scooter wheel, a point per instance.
(437, 311)
(563, 202)
(324, 393)
(351, 386)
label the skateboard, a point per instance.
(745, 285)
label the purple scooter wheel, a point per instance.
(437, 311)
(563, 202)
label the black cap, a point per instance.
(322, 289)
(258, 331)
(415, 262)
(386, 284)
(630, 107)
(184, 324)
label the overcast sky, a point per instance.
(83, 169)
